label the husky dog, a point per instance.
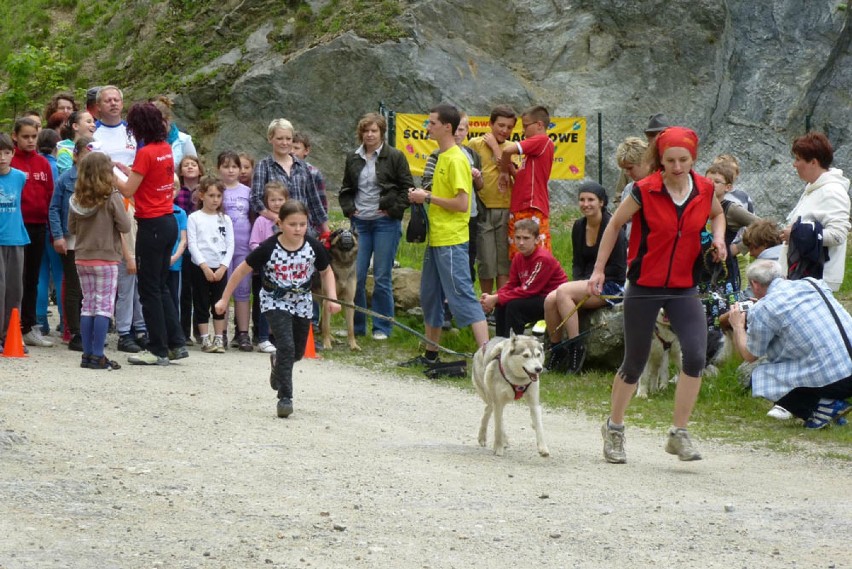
(665, 350)
(506, 369)
(343, 250)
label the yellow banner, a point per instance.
(568, 135)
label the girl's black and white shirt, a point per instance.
(288, 273)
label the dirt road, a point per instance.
(187, 466)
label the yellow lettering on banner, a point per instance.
(567, 133)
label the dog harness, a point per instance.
(278, 292)
(666, 345)
(519, 389)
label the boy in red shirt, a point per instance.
(533, 275)
(530, 196)
(35, 201)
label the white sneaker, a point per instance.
(613, 450)
(266, 347)
(34, 338)
(380, 336)
(679, 443)
(778, 412)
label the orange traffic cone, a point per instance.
(310, 347)
(14, 345)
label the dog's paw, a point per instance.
(482, 442)
(710, 371)
(543, 451)
(642, 393)
(498, 450)
(353, 345)
(326, 344)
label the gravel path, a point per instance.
(187, 466)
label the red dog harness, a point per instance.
(519, 389)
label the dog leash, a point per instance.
(408, 329)
(468, 355)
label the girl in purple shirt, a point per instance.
(236, 203)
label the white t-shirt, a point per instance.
(116, 142)
(210, 238)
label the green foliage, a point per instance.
(155, 46)
(30, 73)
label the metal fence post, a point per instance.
(390, 117)
(600, 148)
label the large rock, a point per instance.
(605, 342)
(746, 75)
(406, 288)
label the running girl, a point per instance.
(287, 262)
(275, 195)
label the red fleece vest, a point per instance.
(664, 246)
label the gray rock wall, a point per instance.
(744, 74)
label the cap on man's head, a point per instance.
(657, 123)
(92, 96)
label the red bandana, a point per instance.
(680, 137)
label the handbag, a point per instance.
(418, 224)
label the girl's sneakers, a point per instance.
(100, 362)
(244, 342)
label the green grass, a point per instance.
(724, 411)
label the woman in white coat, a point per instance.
(825, 199)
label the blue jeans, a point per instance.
(51, 268)
(377, 239)
(446, 276)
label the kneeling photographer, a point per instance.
(804, 334)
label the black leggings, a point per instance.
(291, 337)
(205, 294)
(686, 315)
(32, 265)
(802, 401)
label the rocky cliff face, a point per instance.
(746, 75)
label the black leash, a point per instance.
(408, 329)
(467, 355)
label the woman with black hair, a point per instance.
(561, 304)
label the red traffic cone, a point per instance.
(14, 344)
(310, 347)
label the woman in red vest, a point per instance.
(669, 209)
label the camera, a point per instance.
(745, 305)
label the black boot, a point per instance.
(576, 357)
